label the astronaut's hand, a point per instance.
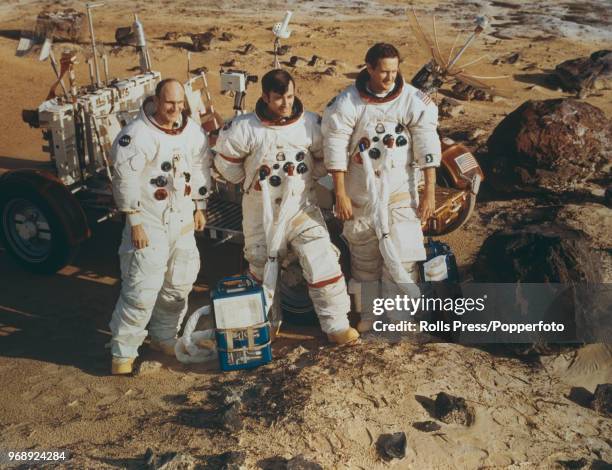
(199, 220)
(344, 207)
(139, 237)
(427, 205)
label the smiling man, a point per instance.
(161, 175)
(275, 153)
(379, 136)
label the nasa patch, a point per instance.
(125, 140)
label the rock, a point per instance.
(512, 58)
(225, 36)
(331, 71)
(602, 400)
(63, 25)
(476, 133)
(467, 92)
(169, 461)
(248, 48)
(426, 426)
(450, 409)
(391, 446)
(537, 253)
(294, 60)
(230, 63)
(230, 418)
(281, 463)
(315, 59)
(171, 36)
(148, 368)
(549, 144)
(282, 50)
(300, 463)
(450, 108)
(595, 220)
(201, 42)
(232, 460)
(585, 74)
(548, 253)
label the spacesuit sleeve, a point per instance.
(423, 130)
(339, 119)
(231, 149)
(201, 177)
(129, 157)
(316, 148)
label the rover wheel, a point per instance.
(31, 231)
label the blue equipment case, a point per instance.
(434, 249)
(246, 344)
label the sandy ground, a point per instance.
(329, 404)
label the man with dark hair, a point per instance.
(379, 139)
(161, 165)
(275, 153)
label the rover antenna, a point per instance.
(281, 31)
(93, 40)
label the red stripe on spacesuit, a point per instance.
(231, 159)
(327, 282)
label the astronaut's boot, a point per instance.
(122, 365)
(165, 346)
(344, 337)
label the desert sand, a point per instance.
(328, 404)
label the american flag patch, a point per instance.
(424, 97)
(466, 162)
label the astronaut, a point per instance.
(275, 153)
(379, 139)
(161, 165)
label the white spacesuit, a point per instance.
(398, 138)
(277, 162)
(160, 177)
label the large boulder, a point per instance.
(533, 255)
(538, 254)
(556, 145)
(586, 74)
